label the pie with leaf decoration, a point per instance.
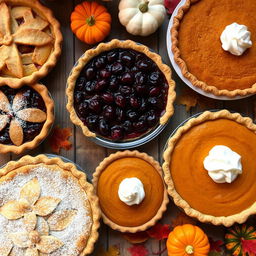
(46, 208)
(30, 41)
(26, 116)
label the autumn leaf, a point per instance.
(187, 98)
(249, 246)
(215, 246)
(182, 219)
(59, 139)
(214, 253)
(159, 231)
(170, 5)
(112, 251)
(138, 250)
(136, 238)
(190, 98)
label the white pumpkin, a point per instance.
(141, 17)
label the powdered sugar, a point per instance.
(52, 184)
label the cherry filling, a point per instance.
(32, 99)
(120, 94)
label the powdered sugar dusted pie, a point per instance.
(46, 208)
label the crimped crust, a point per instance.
(183, 66)
(52, 60)
(49, 104)
(151, 161)
(10, 171)
(226, 221)
(88, 55)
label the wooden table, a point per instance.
(86, 153)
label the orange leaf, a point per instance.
(136, 238)
(112, 251)
(188, 98)
(138, 250)
(159, 231)
(59, 139)
(182, 219)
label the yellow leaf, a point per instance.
(112, 251)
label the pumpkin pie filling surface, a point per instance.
(107, 190)
(192, 181)
(202, 26)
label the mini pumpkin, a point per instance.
(187, 240)
(234, 237)
(141, 17)
(90, 22)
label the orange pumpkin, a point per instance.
(90, 22)
(187, 240)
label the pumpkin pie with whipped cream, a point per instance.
(214, 43)
(130, 183)
(209, 167)
(30, 42)
(46, 208)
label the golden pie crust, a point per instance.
(184, 67)
(27, 67)
(49, 104)
(167, 156)
(118, 155)
(85, 243)
(88, 55)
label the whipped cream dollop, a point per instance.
(131, 191)
(236, 39)
(223, 164)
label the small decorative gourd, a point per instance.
(90, 22)
(234, 237)
(187, 240)
(141, 17)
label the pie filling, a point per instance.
(120, 94)
(22, 115)
(200, 45)
(52, 213)
(108, 185)
(26, 41)
(191, 179)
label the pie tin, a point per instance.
(131, 143)
(177, 68)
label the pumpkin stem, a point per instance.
(90, 21)
(144, 6)
(189, 249)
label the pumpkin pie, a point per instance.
(46, 208)
(205, 195)
(130, 183)
(198, 51)
(120, 91)
(26, 116)
(30, 42)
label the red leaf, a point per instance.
(249, 246)
(159, 231)
(215, 246)
(170, 5)
(59, 139)
(138, 250)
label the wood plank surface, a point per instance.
(86, 153)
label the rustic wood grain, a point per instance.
(86, 153)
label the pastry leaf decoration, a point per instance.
(16, 114)
(36, 240)
(30, 33)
